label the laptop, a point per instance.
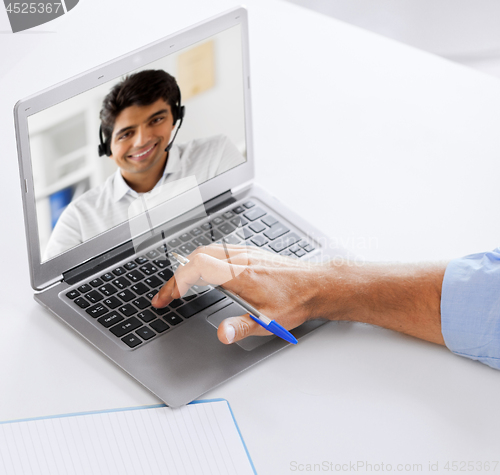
(100, 277)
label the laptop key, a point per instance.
(217, 220)
(112, 302)
(238, 209)
(126, 326)
(148, 268)
(127, 310)
(163, 249)
(153, 281)
(206, 226)
(141, 303)
(214, 235)
(126, 295)
(160, 311)
(300, 253)
(283, 243)
(151, 294)
(141, 260)
(73, 294)
(275, 231)
(159, 325)
(161, 263)
(135, 276)
(257, 227)
(145, 333)
(228, 215)
(119, 271)
(146, 316)
(172, 318)
(152, 254)
(81, 302)
(121, 282)
(187, 248)
(254, 214)
(232, 239)
(94, 296)
(269, 220)
(140, 288)
(85, 288)
(185, 237)
(227, 228)
(96, 282)
(132, 340)
(309, 248)
(249, 204)
(174, 243)
(201, 241)
(239, 222)
(196, 232)
(107, 277)
(259, 240)
(201, 303)
(175, 303)
(244, 233)
(130, 265)
(166, 274)
(97, 310)
(110, 319)
(108, 289)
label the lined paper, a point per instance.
(196, 439)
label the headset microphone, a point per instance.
(178, 117)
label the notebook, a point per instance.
(99, 229)
(200, 438)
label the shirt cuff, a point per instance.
(470, 307)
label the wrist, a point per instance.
(332, 290)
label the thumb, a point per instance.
(236, 328)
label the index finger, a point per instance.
(204, 267)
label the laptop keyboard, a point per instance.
(120, 300)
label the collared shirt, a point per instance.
(470, 307)
(107, 205)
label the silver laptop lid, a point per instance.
(58, 134)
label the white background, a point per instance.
(377, 143)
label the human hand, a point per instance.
(281, 288)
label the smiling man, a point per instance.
(138, 119)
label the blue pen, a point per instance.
(265, 322)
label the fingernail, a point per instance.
(230, 333)
(155, 300)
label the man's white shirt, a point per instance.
(108, 205)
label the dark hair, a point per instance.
(139, 89)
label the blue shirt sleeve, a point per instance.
(470, 307)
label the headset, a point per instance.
(104, 147)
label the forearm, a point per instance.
(404, 298)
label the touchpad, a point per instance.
(234, 310)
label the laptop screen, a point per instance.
(176, 122)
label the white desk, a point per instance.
(381, 145)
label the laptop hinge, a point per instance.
(219, 202)
(127, 250)
(104, 260)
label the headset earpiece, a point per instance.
(104, 147)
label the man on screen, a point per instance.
(138, 118)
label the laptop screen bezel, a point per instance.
(46, 273)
